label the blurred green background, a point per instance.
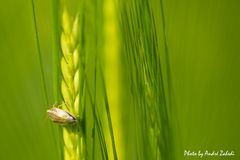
(204, 57)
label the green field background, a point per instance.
(204, 63)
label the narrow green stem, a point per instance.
(39, 55)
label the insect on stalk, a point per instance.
(60, 116)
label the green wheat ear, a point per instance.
(73, 141)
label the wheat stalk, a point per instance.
(72, 135)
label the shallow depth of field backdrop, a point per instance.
(200, 69)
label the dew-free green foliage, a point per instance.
(146, 83)
(179, 79)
